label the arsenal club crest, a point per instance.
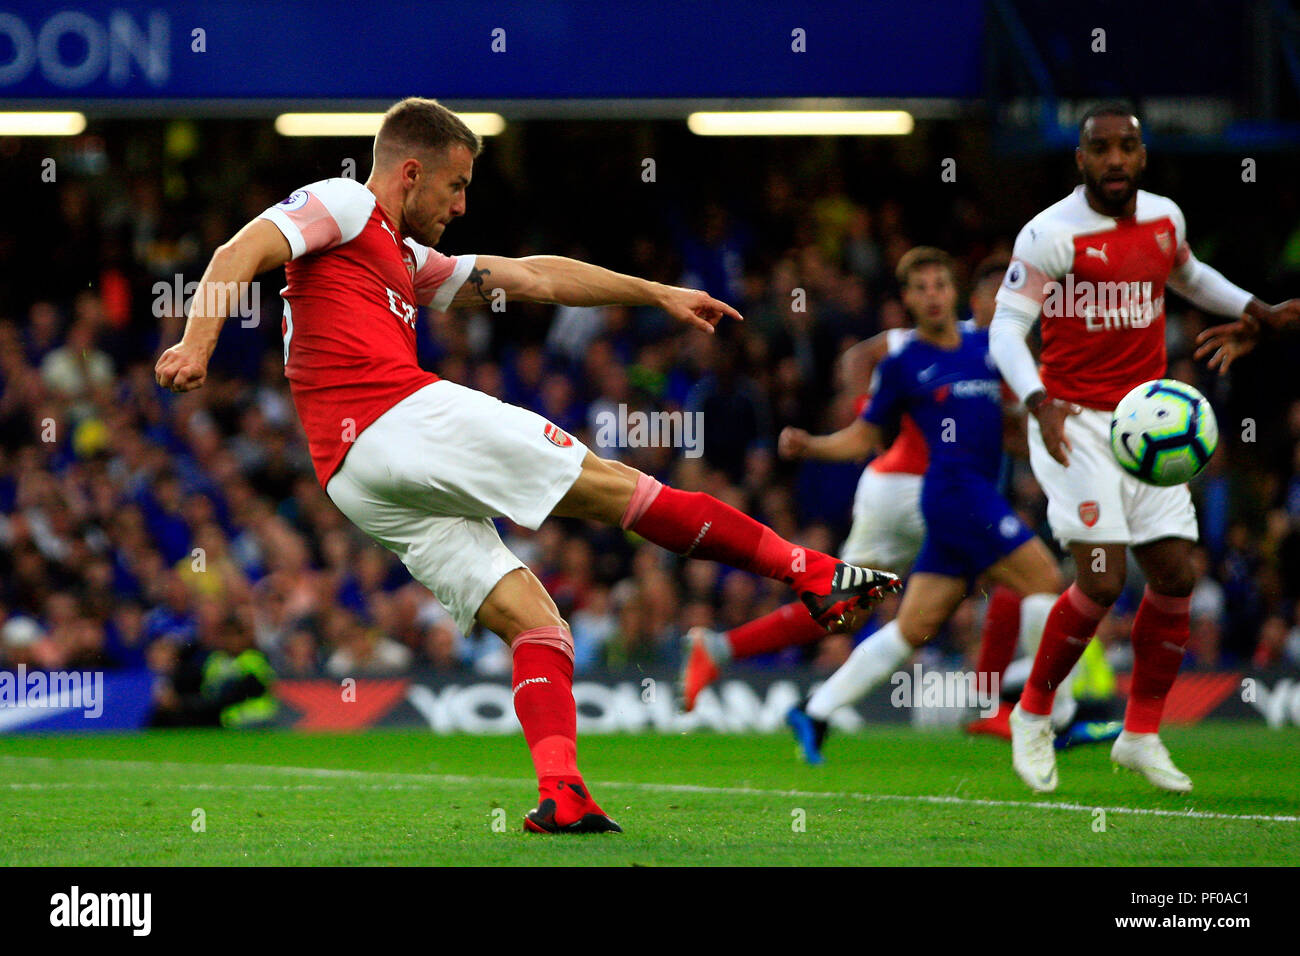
(556, 437)
(1164, 241)
(1089, 512)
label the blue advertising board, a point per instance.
(338, 49)
(41, 702)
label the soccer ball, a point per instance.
(1163, 432)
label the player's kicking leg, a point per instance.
(694, 524)
(688, 523)
(520, 610)
(887, 533)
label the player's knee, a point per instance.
(539, 612)
(519, 603)
(603, 491)
(1101, 587)
(625, 474)
(916, 631)
(610, 474)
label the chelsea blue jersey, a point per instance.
(953, 395)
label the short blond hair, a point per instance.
(416, 124)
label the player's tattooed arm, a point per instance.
(475, 281)
(562, 281)
(496, 279)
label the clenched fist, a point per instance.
(181, 368)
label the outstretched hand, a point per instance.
(1226, 343)
(696, 308)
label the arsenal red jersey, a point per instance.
(350, 312)
(1099, 285)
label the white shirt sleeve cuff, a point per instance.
(297, 244)
(447, 291)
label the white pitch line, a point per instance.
(686, 788)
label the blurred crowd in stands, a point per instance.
(135, 522)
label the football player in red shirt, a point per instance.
(1094, 267)
(422, 464)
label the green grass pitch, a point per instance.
(885, 797)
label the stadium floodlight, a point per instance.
(802, 123)
(367, 124)
(41, 124)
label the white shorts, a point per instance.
(887, 525)
(1095, 500)
(426, 478)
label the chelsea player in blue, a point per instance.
(945, 379)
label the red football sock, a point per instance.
(691, 523)
(543, 696)
(1161, 628)
(1000, 635)
(787, 626)
(1070, 626)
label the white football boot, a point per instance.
(1145, 754)
(1032, 753)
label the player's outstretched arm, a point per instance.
(562, 281)
(851, 443)
(1207, 289)
(257, 247)
(1228, 342)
